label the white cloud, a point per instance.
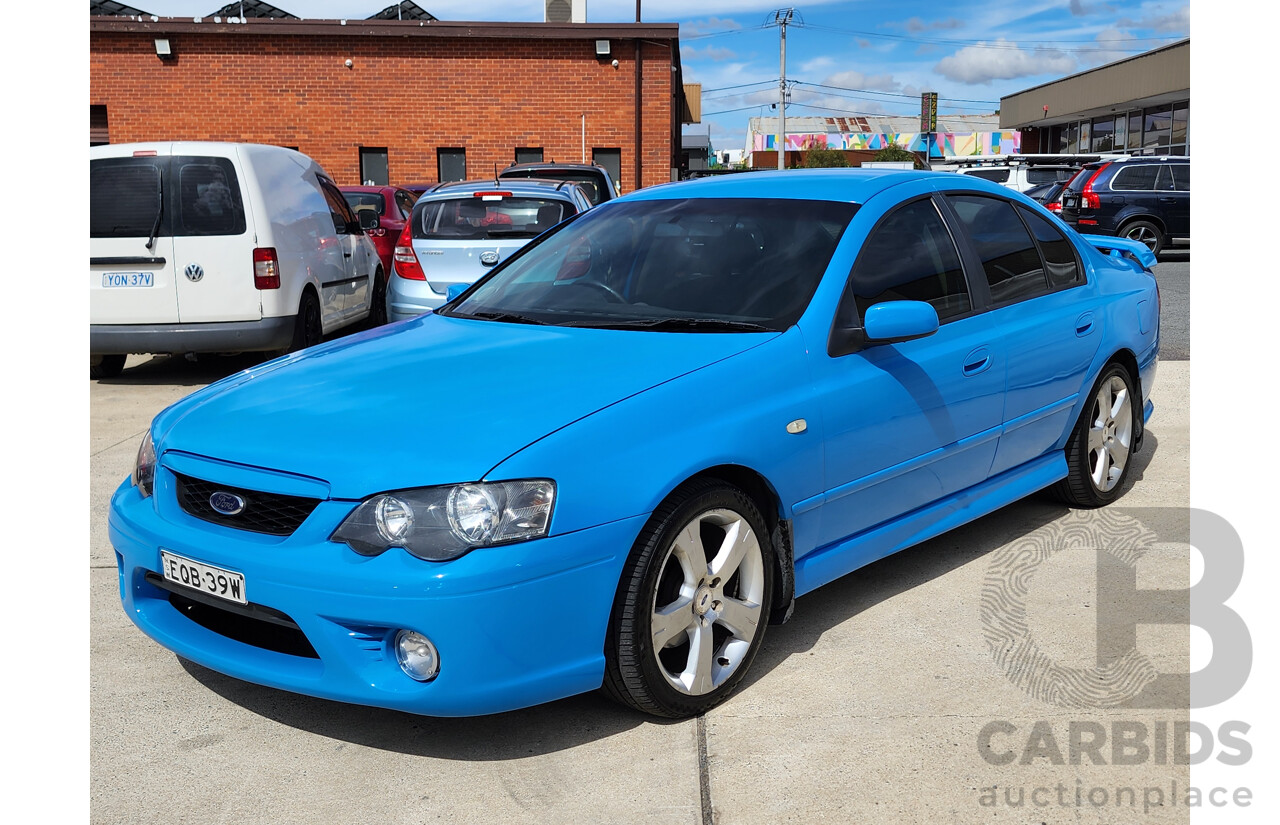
(857, 80)
(1157, 17)
(817, 64)
(1115, 45)
(1002, 61)
(716, 53)
(708, 26)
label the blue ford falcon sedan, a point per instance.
(628, 449)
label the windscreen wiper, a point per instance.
(509, 317)
(676, 325)
(155, 227)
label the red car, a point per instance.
(392, 204)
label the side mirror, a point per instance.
(368, 219)
(895, 321)
(455, 290)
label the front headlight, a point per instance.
(441, 523)
(144, 468)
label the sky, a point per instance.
(844, 57)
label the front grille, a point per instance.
(270, 513)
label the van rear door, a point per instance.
(212, 242)
(131, 272)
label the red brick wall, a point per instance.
(408, 94)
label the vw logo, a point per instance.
(488, 258)
(229, 504)
(194, 272)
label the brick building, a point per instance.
(408, 100)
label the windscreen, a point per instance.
(715, 265)
(360, 201)
(477, 218)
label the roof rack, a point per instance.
(1027, 160)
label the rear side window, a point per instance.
(365, 201)
(471, 218)
(1038, 176)
(1060, 264)
(1181, 177)
(910, 256)
(208, 200)
(1139, 178)
(1009, 256)
(996, 175)
(125, 196)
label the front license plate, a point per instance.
(212, 580)
(110, 279)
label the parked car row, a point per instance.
(199, 247)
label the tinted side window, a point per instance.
(1008, 254)
(405, 201)
(1140, 178)
(1181, 177)
(910, 256)
(338, 209)
(996, 175)
(1059, 257)
(208, 197)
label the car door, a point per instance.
(212, 242)
(909, 423)
(131, 271)
(342, 297)
(1045, 318)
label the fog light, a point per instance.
(417, 656)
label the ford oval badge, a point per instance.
(229, 504)
(488, 258)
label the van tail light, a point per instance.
(266, 268)
(1088, 197)
(404, 259)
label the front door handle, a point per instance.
(977, 361)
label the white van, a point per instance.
(199, 247)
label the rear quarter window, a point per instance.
(995, 175)
(1138, 178)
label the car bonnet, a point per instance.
(432, 400)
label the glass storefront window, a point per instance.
(1156, 126)
(1121, 122)
(1181, 115)
(1073, 138)
(1084, 136)
(1135, 130)
(1103, 135)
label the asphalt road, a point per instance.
(1173, 273)
(868, 707)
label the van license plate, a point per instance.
(212, 580)
(110, 279)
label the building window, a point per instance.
(529, 155)
(1073, 138)
(1085, 132)
(1178, 140)
(1103, 135)
(451, 164)
(1121, 122)
(98, 125)
(1135, 130)
(1155, 129)
(611, 160)
(373, 166)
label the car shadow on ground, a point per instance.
(589, 717)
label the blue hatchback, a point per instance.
(652, 429)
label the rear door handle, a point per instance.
(977, 361)
(1084, 325)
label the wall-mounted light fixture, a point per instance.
(602, 48)
(163, 50)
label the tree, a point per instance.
(894, 152)
(824, 158)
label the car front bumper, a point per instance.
(514, 626)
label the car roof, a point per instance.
(366, 188)
(843, 185)
(518, 186)
(551, 165)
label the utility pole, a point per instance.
(781, 18)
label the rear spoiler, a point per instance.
(1123, 247)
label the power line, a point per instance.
(1007, 46)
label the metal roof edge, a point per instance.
(383, 28)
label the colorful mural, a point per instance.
(940, 143)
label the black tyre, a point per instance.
(378, 301)
(307, 330)
(1145, 232)
(693, 603)
(1100, 447)
(110, 366)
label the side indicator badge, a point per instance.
(798, 426)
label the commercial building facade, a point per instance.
(397, 101)
(1140, 105)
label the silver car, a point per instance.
(459, 231)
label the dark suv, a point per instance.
(1146, 199)
(594, 178)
